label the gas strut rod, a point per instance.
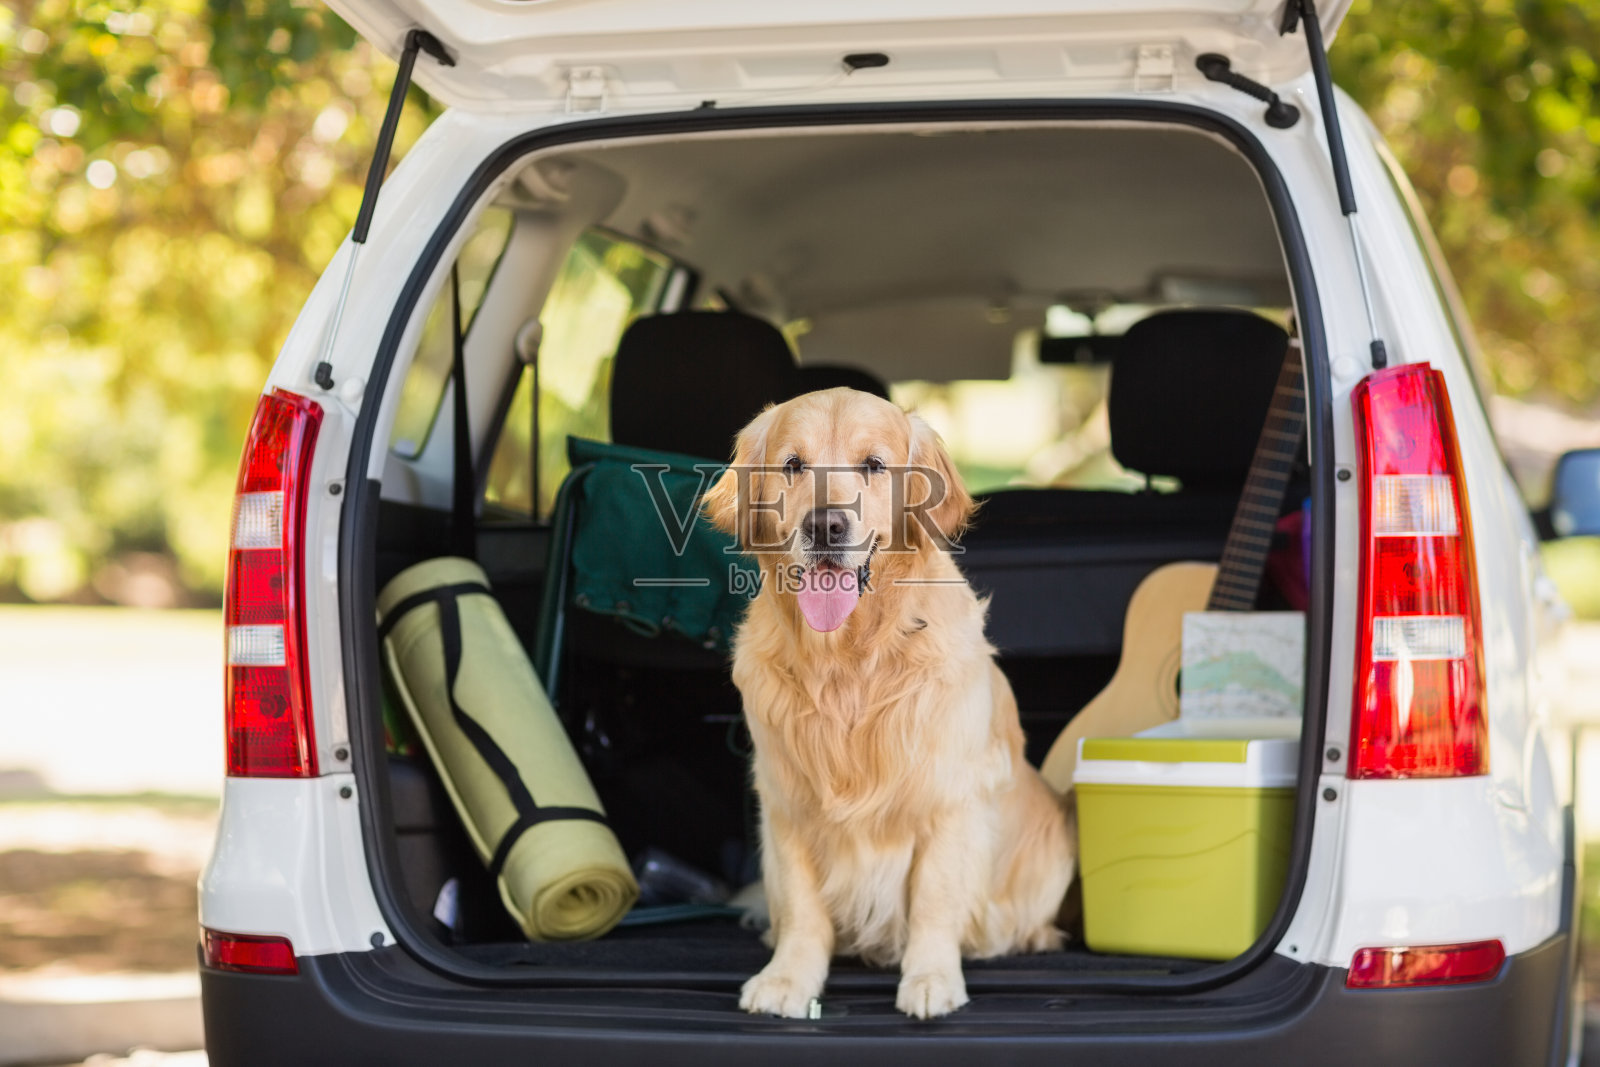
(1305, 11)
(416, 41)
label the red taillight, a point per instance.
(1419, 664)
(1393, 968)
(250, 953)
(268, 700)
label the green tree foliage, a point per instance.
(174, 176)
(1492, 108)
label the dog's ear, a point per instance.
(722, 503)
(943, 501)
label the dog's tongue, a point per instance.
(827, 596)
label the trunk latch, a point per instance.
(1153, 69)
(586, 90)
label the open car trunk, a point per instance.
(991, 273)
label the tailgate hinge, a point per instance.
(586, 90)
(1154, 69)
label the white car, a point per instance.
(991, 211)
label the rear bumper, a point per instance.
(379, 1007)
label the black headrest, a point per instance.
(832, 375)
(1190, 391)
(690, 381)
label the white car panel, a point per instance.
(581, 55)
(1438, 862)
(1420, 861)
(289, 862)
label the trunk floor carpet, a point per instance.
(722, 947)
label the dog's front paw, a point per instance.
(931, 994)
(776, 993)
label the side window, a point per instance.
(423, 388)
(604, 284)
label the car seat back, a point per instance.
(688, 382)
(812, 377)
(1189, 393)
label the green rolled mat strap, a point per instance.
(560, 870)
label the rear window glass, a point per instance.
(1044, 425)
(1047, 424)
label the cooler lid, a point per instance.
(1167, 750)
(1169, 755)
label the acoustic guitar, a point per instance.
(1144, 690)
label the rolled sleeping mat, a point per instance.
(521, 792)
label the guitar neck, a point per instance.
(1244, 556)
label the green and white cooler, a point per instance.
(1183, 837)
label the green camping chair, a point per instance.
(629, 542)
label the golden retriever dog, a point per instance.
(899, 819)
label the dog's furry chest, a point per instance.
(869, 754)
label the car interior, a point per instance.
(1093, 315)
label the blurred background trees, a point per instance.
(1492, 108)
(173, 177)
(174, 174)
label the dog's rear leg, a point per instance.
(947, 882)
(801, 930)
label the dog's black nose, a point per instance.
(828, 527)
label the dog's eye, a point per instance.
(873, 465)
(793, 466)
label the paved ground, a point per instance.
(97, 888)
(97, 925)
(97, 894)
(112, 700)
